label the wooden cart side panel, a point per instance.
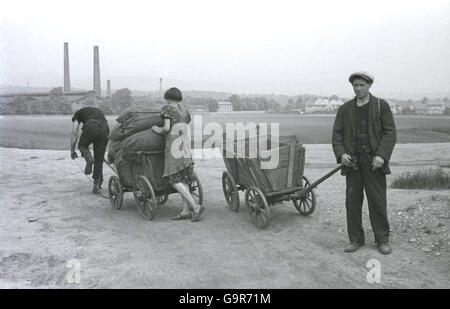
(299, 166)
(153, 166)
(268, 180)
(125, 172)
(283, 157)
(137, 171)
(243, 177)
(230, 164)
(260, 177)
(239, 169)
(278, 178)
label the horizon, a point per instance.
(396, 96)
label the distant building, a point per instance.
(436, 108)
(44, 102)
(335, 104)
(224, 106)
(45, 96)
(323, 106)
(316, 108)
(431, 108)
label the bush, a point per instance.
(430, 179)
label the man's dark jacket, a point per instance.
(382, 133)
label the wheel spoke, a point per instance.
(262, 217)
(252, 196)
(251, 206)
(254, 216)
(305, 206)
(308, 203)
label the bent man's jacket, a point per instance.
(382, 133)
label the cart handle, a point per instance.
(305, 190)
(111, 167)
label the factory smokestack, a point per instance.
(66, 68)
(160, 86)
(97, 86)
(108, 88)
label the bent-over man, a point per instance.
(95, 131)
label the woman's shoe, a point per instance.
(197, 214)
(182, 217)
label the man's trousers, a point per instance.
(96, 133)
(374, 184)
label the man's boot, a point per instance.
(100, 183)
(96, 188)
(89, 162)
(384, 248)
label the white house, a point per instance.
(224, 106)
(431, 108)
(436, 108)
(323, 106)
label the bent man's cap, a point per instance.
(366, 76)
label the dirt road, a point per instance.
(49, 217)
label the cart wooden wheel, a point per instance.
(258, 207)
(307, 203)
(161, 199)
(115, 192)
(145, 198)
(196, 189)
(230, 191)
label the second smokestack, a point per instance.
(66, 68)
(97, 85)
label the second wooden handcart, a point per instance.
(265, 187)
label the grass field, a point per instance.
(430, 179)
(53, 132)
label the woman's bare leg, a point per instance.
(186, 210)
(183, 189)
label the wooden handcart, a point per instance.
(141, 173)
(265, 187)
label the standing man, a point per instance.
(363, 139)
(95, 131)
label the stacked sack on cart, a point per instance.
(134, 133)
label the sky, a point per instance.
(239, 46)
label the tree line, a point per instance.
(58, 104)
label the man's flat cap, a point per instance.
(366, 76)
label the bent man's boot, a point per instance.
(89, 162)
(96, 188)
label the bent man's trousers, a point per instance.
(96, 133)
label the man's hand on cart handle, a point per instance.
(346, 159)
(349, 161)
